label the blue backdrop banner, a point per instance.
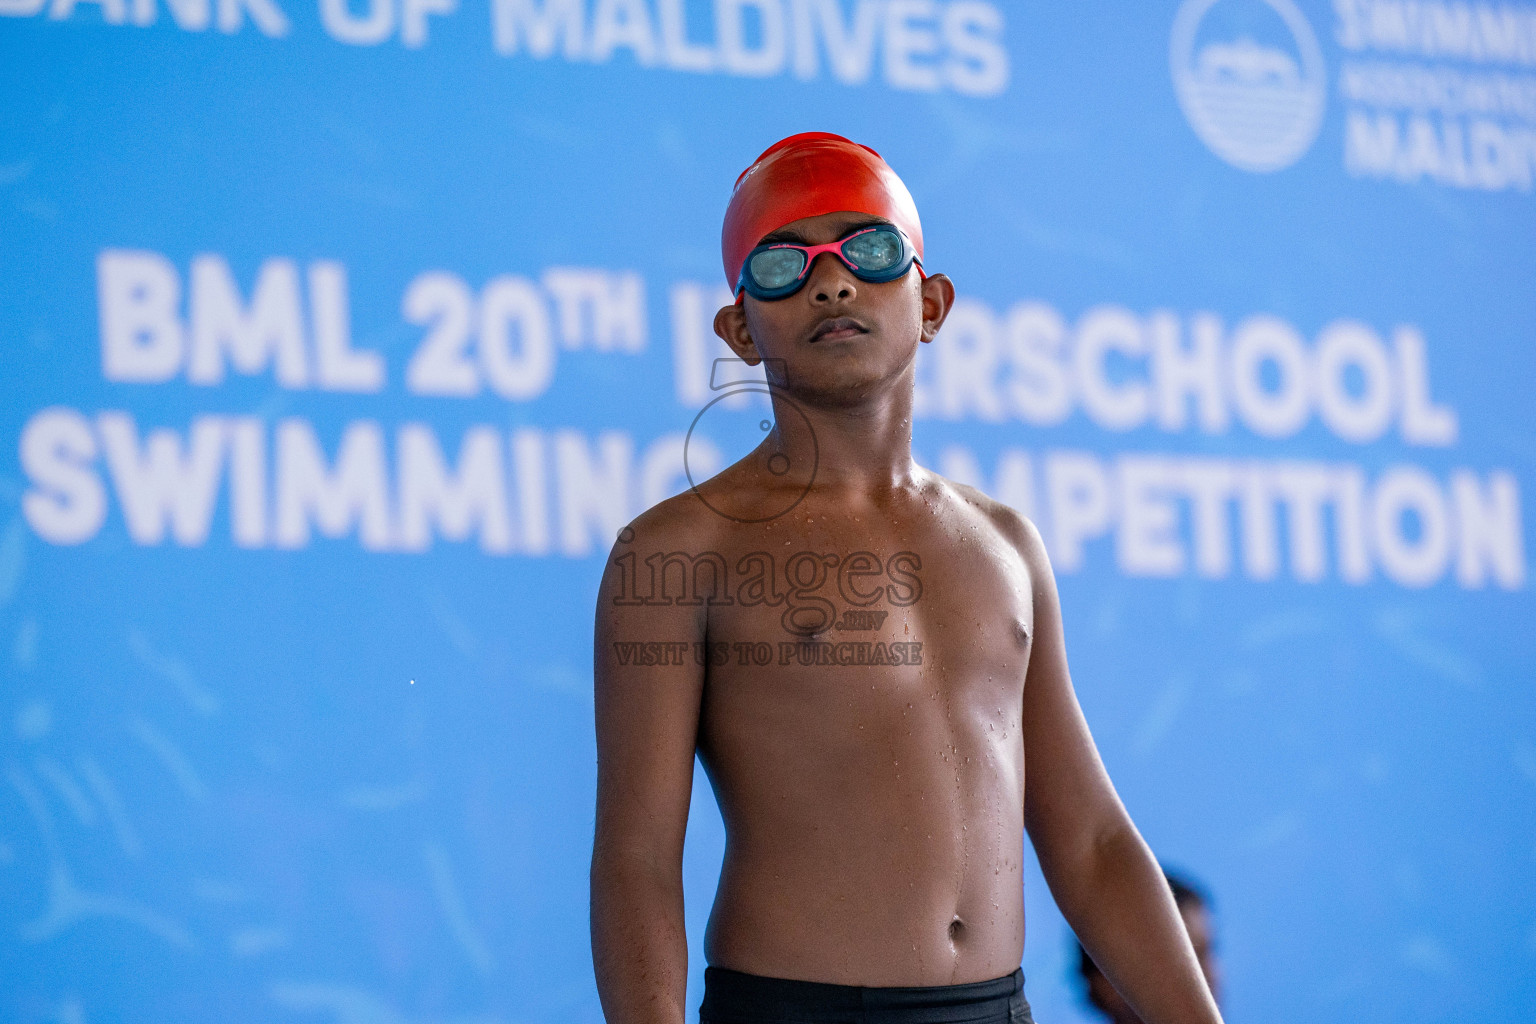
(342, 336)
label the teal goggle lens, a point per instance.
(873, 250)
(776, 268)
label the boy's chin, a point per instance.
(846, 385)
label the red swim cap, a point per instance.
(807, 175)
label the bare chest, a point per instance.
(823, 616)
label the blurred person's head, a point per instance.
(1195, 908)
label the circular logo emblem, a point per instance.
(1250, 82)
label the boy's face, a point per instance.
(838, 338)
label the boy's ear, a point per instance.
(731, 325)
(938, 300)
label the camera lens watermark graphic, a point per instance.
(724, 425)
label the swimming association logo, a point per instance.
(1250, 79)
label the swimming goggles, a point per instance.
(880, 252)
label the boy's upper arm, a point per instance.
(1069, 800)
(646, 715)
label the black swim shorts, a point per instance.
(734, 997)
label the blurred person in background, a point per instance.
(1194, 905)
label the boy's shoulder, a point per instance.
(679, 523)
(1015, 527)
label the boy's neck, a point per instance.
(861, 448)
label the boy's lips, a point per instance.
(837, 328)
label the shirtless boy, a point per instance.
(868, 660)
